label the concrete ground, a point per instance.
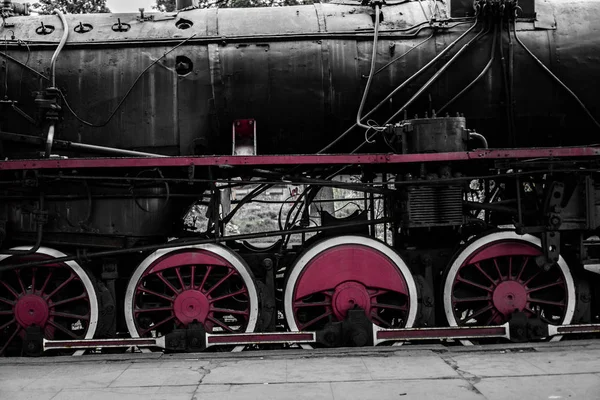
(565, 370)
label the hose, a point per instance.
(541, 64)
(371, 71)
(436, 75)
(63, 40)
(481, 75)
(400, 87)
(112, 114)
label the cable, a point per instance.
(371, 70)
(401, 86)
(404, 54)
(436, 75)
(541, 64)
(481, 75)
(112, 114)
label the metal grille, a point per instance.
(433, 206)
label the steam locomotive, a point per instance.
(462, 133)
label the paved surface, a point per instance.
(546, 371)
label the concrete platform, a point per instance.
(565, 370)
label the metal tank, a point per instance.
(299, 72)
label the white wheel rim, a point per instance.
(490, 238)
(81, 274)
(232, 258)
(299, 266)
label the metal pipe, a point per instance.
(401, 86)
(371, 70)
(63, 40)
(64, 144)
(436, 76)
(480, 137)
(49, 141)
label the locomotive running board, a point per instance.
(380, 335)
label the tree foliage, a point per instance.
(71, 6)
(169, 5)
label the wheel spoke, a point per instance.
(552, 303)
(390, 306)
(495, 313)
(46, 282)
(225, 296)
(164, 321)
(7, 324)
(485, 274)
(7, 312)
(70, 316)
(470, 299)
(6, 301)
(65, 301)
(18, 274)
(221, 324)
(10, 289)
(62, 329)
(143, 310)
(510, 259)
(201, 287)
(314, 320)
(192, 276)
(153, 293)
(299, 304)
(33, 271)
(230, 311)
(380, 320)
(498, 270)
(10, 339)
(471, 283)
(525, 261)
(535, 289)
(62, 285)
(532, 278)
(166, 282)
(223, 279)
(476, 314)
(183, 287)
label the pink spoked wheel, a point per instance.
(206, 284)
(345, 272)
(496, 275)
(58, 298)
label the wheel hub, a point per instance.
(349, 295)
(31, 310)
(190, 306)
(509, 296)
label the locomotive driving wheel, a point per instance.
(58, 299)
(496, 275)
(173, 288)
(345, 272)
